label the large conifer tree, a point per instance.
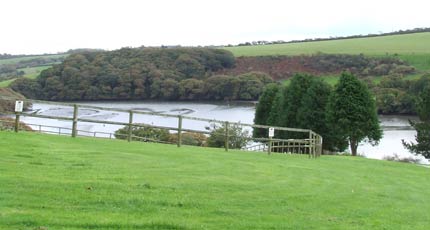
(263, 109)
(312, 112)
(351, 113)
(291, 104)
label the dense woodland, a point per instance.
(144, 73)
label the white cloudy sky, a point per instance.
(50, 26)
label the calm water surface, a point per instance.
(395, 128)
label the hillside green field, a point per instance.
(18, 59)
(418, 43)
(30, 72)
(57, 182)
(6, 83)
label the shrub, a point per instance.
(189, 138)
(147, 133)
(238, 138)
(409, 159)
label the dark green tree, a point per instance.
(276, 111)
(351, 113)
(263, 109)
(422, 145)
(312, 112)
(292, 102)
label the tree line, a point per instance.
(399, 32)
(345, 115)
(144, 73)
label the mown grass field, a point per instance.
(418, 43)
(57, 182)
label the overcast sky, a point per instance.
(50, 26)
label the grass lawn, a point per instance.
(57, 182)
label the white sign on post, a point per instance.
(19, 105)
(271, 132)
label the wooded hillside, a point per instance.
(283, 67)
(144, 73)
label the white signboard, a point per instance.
(19, 105)
(271, 132)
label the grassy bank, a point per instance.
(55, 182)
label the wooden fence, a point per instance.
(311, 145)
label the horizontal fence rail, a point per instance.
(310, 144)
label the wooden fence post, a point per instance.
(130, 125)
(179, 130)
(75, 120)
(17, 114)
(269, 151)
(310, 144)
(226, 136)
(315, 145)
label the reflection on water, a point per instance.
(395, 128)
